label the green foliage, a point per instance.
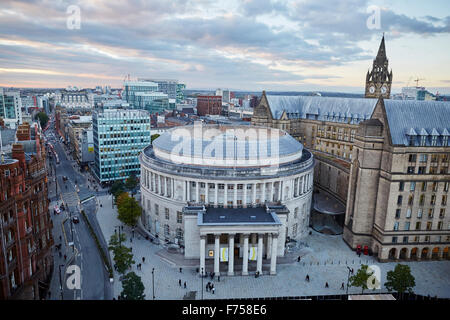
(117, 188)
(43, 119)
(129, 211)
(121, 198)
(123, 258)
(133, 288)
(131, 182)
(115, 241)
(360, 279)
(400, 279)
(153, 137)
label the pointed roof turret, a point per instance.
(381, 50)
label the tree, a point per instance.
(117, 188)
(400, 279)
(133, 288)
(361, 278)
(121, 198)
(153, 137)
(131, 182)
(114, 242)
(43, 119)
(123, 258)
(129, 211)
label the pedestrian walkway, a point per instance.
(324, 259)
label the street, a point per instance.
(94, 278)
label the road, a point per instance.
(94, 278)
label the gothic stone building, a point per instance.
(410, 164)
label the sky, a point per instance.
(255, 45)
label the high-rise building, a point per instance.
(167, 86)
(133, 87)
(153, 102)
(10, 108)
(180, 92)
(119, 137)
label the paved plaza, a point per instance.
(324, 259)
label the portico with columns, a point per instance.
(227, 233)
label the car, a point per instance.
(64, 178)
(76, 220)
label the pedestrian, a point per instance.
(185, 284)
(342, 286)
(131, 240)
(213, 290)
(326, 284)
(65, 257)
(143, 259)
(179, 282)
(307, 277)
(218, 278)
(181, 270)
(298, 259)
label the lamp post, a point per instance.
(348, 278)
(202, 282)
(71, 229)
(120, 238)
(60, 282)
(153, 282)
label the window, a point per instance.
(396, 226)
(397, 213)
(442, 213)
(419, 213)
(408, 213)
(435, 186)
(418, 225)
(422, 170)
(412, 186)
(412, 158)
(430, 213)
(179, 217)
(411, 170)
(405, 239)
(429, 224)
(440, 224)
(166, 231)
(433, 200)
(410, 199)
(156, 209)
(444, 200)
(167, 213)
(423, 158)
(446, 186)
(423, 140)
(407, 224)
(424, 186)
(394, 239)
(401, 186)
(399, 200)
(294, 229)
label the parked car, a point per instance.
(76, 220)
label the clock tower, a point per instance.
(379, 80)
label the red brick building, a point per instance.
(209, 105)
(26, 261)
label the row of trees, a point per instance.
(400, 279)
(133, 288)
(128, 208)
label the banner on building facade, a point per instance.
(252, 253)
(223, 254)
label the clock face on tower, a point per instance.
(383, 89)
(372, 89)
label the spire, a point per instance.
(381, 55)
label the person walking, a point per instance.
(218, 278)
(307, 278)
(181, 270)
(143, 259)
(179, 282)
(342, 286)
(207, 286)
(213, 290)
(185, 284)
(326, 284)
(298, 259)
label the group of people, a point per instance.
(210, 287)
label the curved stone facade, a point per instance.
(169, 186)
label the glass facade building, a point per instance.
(131, 88)
(152, 102)
(119, 137)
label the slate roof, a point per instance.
(335, 109)
(417, 118)
(257, 215)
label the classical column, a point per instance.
(254, 194)
(197, 191)
(245, 256)
(230, 254)
(216, 190)
(235, 195)
(280, 190)
(273, 256)
(184, 191)
(172, 183)
(272, 191)
(167, 180)
(263, 193)
(216, 254)
(188, 186)
(225, 196)
(206, 193)
(299, 186)
(259, 254)
(244, 200)
(202, 252)
(269, 244)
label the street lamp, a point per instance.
(348, 277)
(153, 282)
(120, 239)
(71, 229)
(60, 281)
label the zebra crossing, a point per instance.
(70, 198)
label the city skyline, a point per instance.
(268, 45)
